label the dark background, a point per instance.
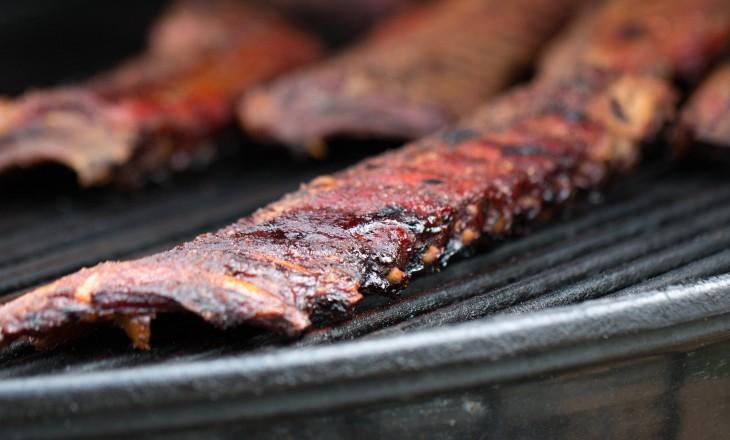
(45, 42)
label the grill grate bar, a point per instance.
(108, 348)
(77, 226)
(553, 277)
(633, 272)
(68, 360)
(713, 265)
(86, 219)
(55, 264)
(63, 362)
(16, 221)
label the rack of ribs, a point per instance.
(414, 74)
(154, 113)
(370, 227)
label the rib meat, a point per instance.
(706, 117)
(667, 38)
(154, 113)
(416, 73)
(370, 227)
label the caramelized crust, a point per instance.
(371, 227)
(414, 74)
(667, 38)
(706, 117)
(153, 114)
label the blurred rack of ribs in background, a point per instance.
(156, 112)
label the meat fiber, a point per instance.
(416, 73)
(153, 114)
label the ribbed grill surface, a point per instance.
(659, 227)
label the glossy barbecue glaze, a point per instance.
(370, 227)
(153, 114)
(416, 73)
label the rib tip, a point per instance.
(138, 329)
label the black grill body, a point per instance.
(610, 321)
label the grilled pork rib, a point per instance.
(670, 39)
(667, 38)
(416, 73)
(370, 227)
(154, 113)
(706, 117)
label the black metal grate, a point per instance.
(659, 227)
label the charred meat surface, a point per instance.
(706, 117)
(154, 113)
(667, 38)
(368, 228)
(414, 74)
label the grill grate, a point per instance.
(643, 233)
